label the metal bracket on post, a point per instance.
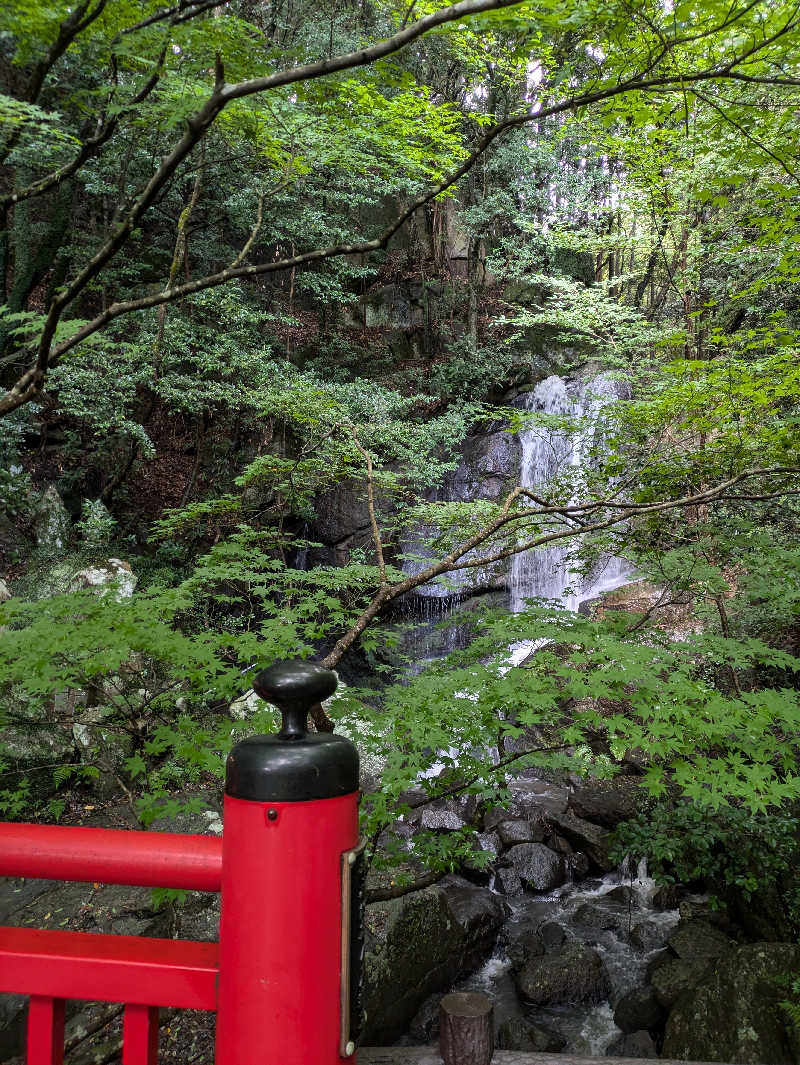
(353, 882)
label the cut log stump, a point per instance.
(466, 1034)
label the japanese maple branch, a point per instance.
(455, 559)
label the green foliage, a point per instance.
(729, 848)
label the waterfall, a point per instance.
(547, 453)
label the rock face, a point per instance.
(575, 974)
(537, 867)
(51, 521)
(586, 837)
(637, 1010)
(734, 1015)
(697, 940)
(635, 1045)
(422, 943)
(518, 1034)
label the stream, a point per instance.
(600, 913)
(587, 1030)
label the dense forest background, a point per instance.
(269, 267)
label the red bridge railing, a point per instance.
(283, 975)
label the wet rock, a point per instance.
(442, 814)
(656, 962)
(538, 797)
(667, 897)
(621, 893)
(422, 943)
(604, 915)
(498, 814)
(606, 802)
(763, 915)
(538, 868)
(559, 845)
(578, 864)
(552, 936)
(734, 1015)
(513, 832)
(647, 935)
(576, 974)
(519, 1034)
(586, 837)
(670, 980)
(697, 940)
(424, 1027)
(690, 910)
(507, 882)
(523, 948)
(633, 1045)
(639, 1009)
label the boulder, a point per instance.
(633, 1045)
(697, 940)
(734, 1015)
(51, 521)
(586, 837)
(496, 815)
(113, 573)
(576, 974)
(647, 935)
(672, 978)
(512, 832)
(552, 936)
(507, 882)
(578, 864)
(604, 915)
(424, 1026)
(667, 896)
(606, 802)
(5, 591)
(621, 893)
(519, 1034)
(442, 814)
(420, 944)
(524, 947)
(639, 1009)
(537, 798)
(537, 866)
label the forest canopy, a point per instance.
(262, 259)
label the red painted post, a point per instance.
(291, 821)
(141, 1035)
(45, 1030)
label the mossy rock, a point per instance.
(734, 1014)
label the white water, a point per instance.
(548, 454)
(587, 1029)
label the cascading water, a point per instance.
(548, 453)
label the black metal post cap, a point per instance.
(294, 687)
(293, 765)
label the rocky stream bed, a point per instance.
(577, 956)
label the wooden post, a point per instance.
(466, 1035)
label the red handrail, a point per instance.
(111, 856)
